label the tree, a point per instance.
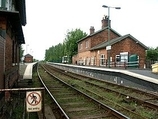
(152, 54)
(49, 54)
(21, 52)
(54, 53)
(71, 46)
(68, 48)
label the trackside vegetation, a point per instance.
(68, 48)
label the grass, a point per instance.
(112, 96)
(19, 110)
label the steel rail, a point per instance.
(143, 102)
(139, 101)
(113, 111)
(65, 115)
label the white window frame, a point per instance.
(80, 46)
(88, 61)
(87, 43)
(92, 60)
(102, 59)
(124, 57)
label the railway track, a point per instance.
(74, 103)
(132, 102)
(147, 99)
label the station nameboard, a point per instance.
(33, 101)
(108, 47)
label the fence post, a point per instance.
(125, 65)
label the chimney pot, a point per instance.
(105, 22)
(92, 30)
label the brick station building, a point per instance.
(12, 18)
(96, 50)
(28, 58)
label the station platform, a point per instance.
(28, 71)
(144, 72)
(143, 75)
(138, 78)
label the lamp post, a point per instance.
(109, 47)
(27, 48)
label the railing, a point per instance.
(134, 64)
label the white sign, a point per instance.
(33, 101)
(108, 47)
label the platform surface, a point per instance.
(28, 71)
(147, 73)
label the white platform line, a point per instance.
(129, 73)
(28, 71)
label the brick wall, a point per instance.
(11, 57)
(96, 39)
(2, 50)
(129, 45)
(28, 59)
(2, 44)
(97, 54)
(101, 37)
(83, 49)
(8, 53)
(93, 41)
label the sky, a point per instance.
(48, 21)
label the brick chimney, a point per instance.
(92, 30)
(105, 22)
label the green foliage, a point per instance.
(152, 54)
(68, 48)
(54, 53)
(21, 52)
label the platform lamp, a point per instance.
(108, 48)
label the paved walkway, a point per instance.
(28, 71)
(147, 73)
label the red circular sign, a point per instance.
(33, 98)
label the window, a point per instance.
(8, 4)
(2, 32)
(124, 56)
(87, 44)
(88, 61)
(80, 46)
(84, 61)
(3, 4)
(93, 60)
(117, 58)
(102, 59)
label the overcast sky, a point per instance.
(49, 20)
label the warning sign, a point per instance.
(33, 101)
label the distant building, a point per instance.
(118, 51)
(28, 58)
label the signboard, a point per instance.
(108, 47)
(33, 101)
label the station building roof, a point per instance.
(115, 40)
